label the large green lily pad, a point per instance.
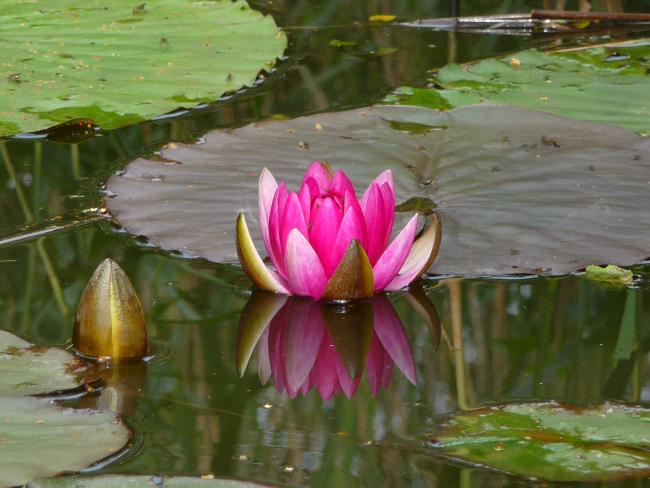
(518, 191)
(155, 481)
(29, 370)
(552, 441)
(38, 438)
(604, 84)
(124, 61)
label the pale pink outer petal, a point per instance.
(391, 334)
(383, 177)
(304, 270)
(304, 328)
(393, 258)
(388, 195)
(416, 260)
(267, 188)
(410, 271)
(276, 251)
(324, 229)
(321, 175)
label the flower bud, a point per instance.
(110, 321)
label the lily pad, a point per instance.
(122, 62)
(38, 438)
(610, 273)
(26, 369)
(552, 441)
(155, 481)
(531, 193)
(604, 84)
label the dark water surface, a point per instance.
(499, 339)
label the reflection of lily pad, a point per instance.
(39, 439)
(117, 481)
(29, 370)
(552, 441)
(518, 191)
(608, 85)
(123, 62)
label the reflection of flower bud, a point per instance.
(326, 243)
(122, 388)
(304, 344)
(110, 321)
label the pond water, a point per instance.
(568, 339)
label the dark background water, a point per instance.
(519, 339)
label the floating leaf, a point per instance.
(535, 193)
(585, 84)
(552, 441)
(611, 273)
(119, 65)
(151, 481)
(381, 18)
(110, 321)
(339, 43)
(38, 438)
(26, 369)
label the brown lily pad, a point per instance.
(517, 191)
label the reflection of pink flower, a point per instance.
(297, 349)
(324, 242)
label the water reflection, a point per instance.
(304, 344)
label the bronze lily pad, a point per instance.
(518, 191)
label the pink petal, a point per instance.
(341, 184)
(391, 334)
(424, 248)
(347, 384)
(321, 175)
(308, 192)
(324, 229)
(304, 329)
(375, 361)
(393, 258)
(305, 272)
(263, 361)
(275, 340)
(385, 177)
(376, 223)
(353, 226)
(277, 210)
(323, 375)
(388, 196)
(267, 188)
(292, 218)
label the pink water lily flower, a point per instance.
(326, 243)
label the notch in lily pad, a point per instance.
(110, 322)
